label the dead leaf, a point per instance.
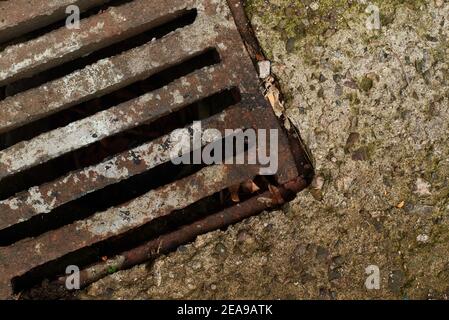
(250, 187)
(287, 124)
(259, 57)
(273, 97)
(276, 194)
(400, 205)
(272, 94)
(234, 190)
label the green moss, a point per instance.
(439, 52)
(301, 27)
(296, 23)
(112, 269)
(353, 99)
(295, 18)
(288, 16)
(366, 84)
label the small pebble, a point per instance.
(196, 265)
(220, 249)
(314, 6)
(264, 69)
(423, 187)
(290, 45)
(422, 238)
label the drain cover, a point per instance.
(86, 134)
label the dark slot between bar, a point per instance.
(86, 256)
(180, 19)
(121, 192)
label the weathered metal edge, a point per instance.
(300, 152)
(266, 201)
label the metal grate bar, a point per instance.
(20, 16)
(101, 30)
(103, 77)
(49, 196)
(116, 221)
(79, 134)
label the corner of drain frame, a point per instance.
(299, 151)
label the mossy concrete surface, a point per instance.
(373, 108)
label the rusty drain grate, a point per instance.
(85, 123)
